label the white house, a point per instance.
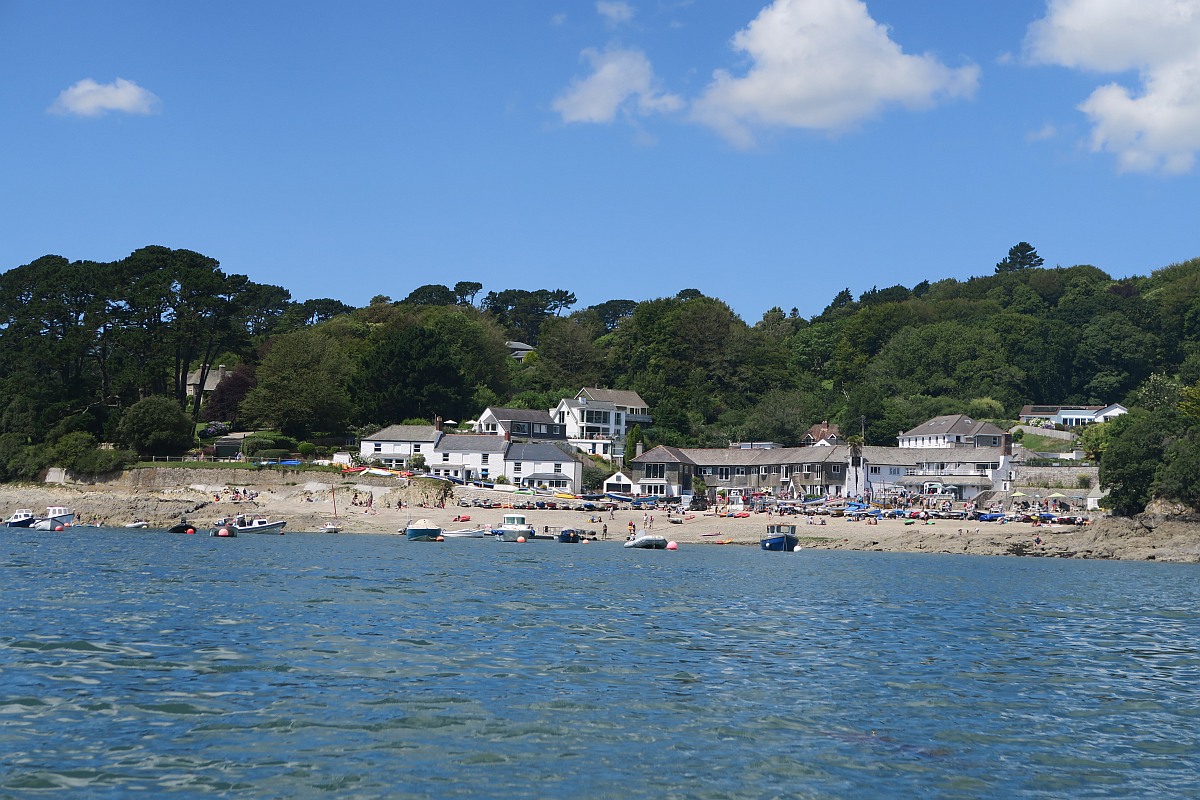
(468, 456)
(597, 420)
(395, 445)
(519, 424)
(953, 430)
(539, 464)
(1071, 416)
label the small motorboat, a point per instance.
(329, 527)
(21, 518)
(242, 524)
(514, 527)
(183, 526)
(647, 541)
(571, 536)
(57, 518)
(422, 530)
(137, 523)
(780, 539)
(467, 533)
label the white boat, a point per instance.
(137, 523)
(514, 527)
(473, 533)
(243, 524)
(21, 518)
(56, 517)
(329, 527)
(648, 541)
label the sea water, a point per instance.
(141, 663)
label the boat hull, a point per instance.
(781, 543)
(423, 534)
(647, 543)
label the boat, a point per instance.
(514, 527)
(329, 527)
(422, 530)
(183, 526)
(648, 541)
(571, 536)
(57, 517)
(224, 532)
(137, 523)
(468, 533)
(242, 524)
(780, 538)
(21, 518)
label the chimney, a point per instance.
(437, 424)
(637, 449)
(507, 436)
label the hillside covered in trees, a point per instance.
(96, 352)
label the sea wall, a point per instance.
(164, 478)
(1054, 477)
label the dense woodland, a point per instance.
(95, 352)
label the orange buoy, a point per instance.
(521, 539)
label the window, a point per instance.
(874, 470)
(787, 471)
(489, 427)
(807, 469)
(658, 471)
(836, 469)
(764, 470)
(739, 470)
(520, 427)
(416, 448)
(722, 473)
(378, 447)
(484, 458)
(558, 468)
(445, 457)
(517, 468)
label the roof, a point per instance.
(823, 430)
(521, 415)
(547, 476)
(620, 397)
(470, 443)
(954, 425)
(946, 480)
(535, 451)
(1047, 410)
(404, 433)
(665, 455)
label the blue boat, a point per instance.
(422, 530)
(780, 538)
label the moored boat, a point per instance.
(648, 541)
(56, 517)
(780, 538)
(137, 523)
(570, 536)
(422, 530)
(243, 524)
(514, 527)
(21, 518)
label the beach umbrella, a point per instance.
(1058, 494)
(1018, 494)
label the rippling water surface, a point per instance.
(309, 665)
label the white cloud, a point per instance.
(1155, 127)
(620, 79)
(614, 11)
(822, 65)
(89, 99)
(1047, 131)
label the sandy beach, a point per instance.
(307, 506)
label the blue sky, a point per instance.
(767, 153)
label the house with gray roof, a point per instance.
(953, 430)
(541, 464)
(395, 445)
(468, 456)
(520, 425)
(597, 420)
(836, 470)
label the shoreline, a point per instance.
(309, 506)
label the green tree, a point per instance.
(301, 386)
(632, 440)
(1136, 450)
(465, 291)
(433, 294)
(410, 373)
(1179, 479)
(1021, 255)
(156, 426)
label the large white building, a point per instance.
(597, 420)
